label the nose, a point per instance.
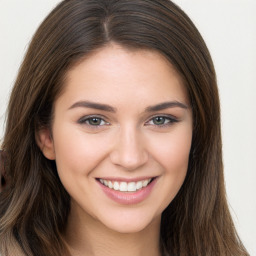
(129, 151)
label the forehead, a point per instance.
(116, 72)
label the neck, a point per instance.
(87, 236)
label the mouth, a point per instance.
(127, 191)
(123, 186)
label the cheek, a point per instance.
(176, 154)
(172, 153)
(172, 150)
(175, 161)
(77, 152)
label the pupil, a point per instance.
(159, 120)
(95, 121)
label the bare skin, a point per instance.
(102, 241)
(123, 117)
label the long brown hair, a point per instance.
(34, 206)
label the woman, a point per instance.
(113, 143)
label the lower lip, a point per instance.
(128, 197)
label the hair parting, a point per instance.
(34, 205)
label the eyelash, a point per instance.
(168, 121)
(85, 120)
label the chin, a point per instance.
(128, 224)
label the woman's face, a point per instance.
(121, 137)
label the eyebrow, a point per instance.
(93, 105)
(165, 105)
(108, 108)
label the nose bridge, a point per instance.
(129, 151)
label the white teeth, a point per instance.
(110, 185)
(131, 187)
(125, 186)
(116, 185)
(138, 185)
(145, 183)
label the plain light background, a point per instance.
(229, 29)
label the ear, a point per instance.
(45, 143)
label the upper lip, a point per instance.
(127, 179)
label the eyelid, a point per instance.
(172, 119)
(83, 120)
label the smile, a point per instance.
(126, 186)
(127, 192)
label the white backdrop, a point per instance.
(229, 29)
